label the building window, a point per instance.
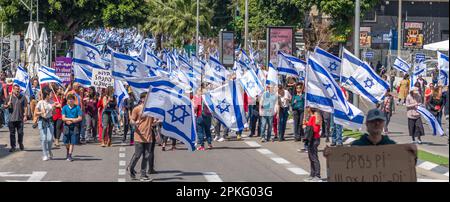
(370, 16)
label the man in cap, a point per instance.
(375, 123)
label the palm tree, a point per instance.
(176, 19)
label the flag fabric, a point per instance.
(290, 65)
(125, 66)
(251, 84)
(141, 85)
(210, 75)
(226, 103)
(272, 76)
(401, 65)
(219, 70)
(87, 55)
(22, 79)
(443, 68)
(120, 92)
(48, 75)
(330, 61)
(419, 70)
(432, 121)
(366, 82)
(176, 113)
(355, 123)
(349, 65)
(82, 75)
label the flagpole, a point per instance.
(56, 96)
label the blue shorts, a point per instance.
(70, 134)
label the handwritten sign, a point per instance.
(102, 78)
(390, 163)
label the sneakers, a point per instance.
(201, 148)
(50, 155)
(221, 140)
(152, 171)
(216, 138)
(45, 158)
(419, 142)
(210, 147)
(131, 142)
(312, 179)
(69, 158)
(133, 175)
(21, 147)
(12, 150)
(239, 137)
(308, 179)
(145, 178)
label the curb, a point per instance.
(426, 165)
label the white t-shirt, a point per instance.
(286, 99)
(46, 108)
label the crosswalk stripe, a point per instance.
(212, 177)
(298, 171)
(280, 160)
(264, 151)
(252, 144)
(427, 165)
(122, 171)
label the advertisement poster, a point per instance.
(365, 40)
(279, 39)
(63, 68)
(413, 35)
(227, 48)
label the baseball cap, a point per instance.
(375, 114)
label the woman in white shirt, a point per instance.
(44, 110)
(285, 100)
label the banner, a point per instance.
(279, 39)
(413, 35)
(365, 40)
(63, 68)
(102, 78)
(227, 48)
(389, 163)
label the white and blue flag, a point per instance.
(22, 79)
(419, 70)
(141, 85)
(87, 55)
(432, 121)
(323, 92)
(120, 92)
(366, 82)
(176, 113)
(272, 75)
(219, 70)
(290, 65)
(251, 83)
(82, 75)
(125, 66)
(401, 65)
(48, 75)
(443, 68)
(226, 103)
(330, 61)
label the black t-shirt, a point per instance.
(17, 107)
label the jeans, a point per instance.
(46, 134)
(13, 127)
(336, 136)
(284, 113)
(388, 119)
(415, 128)
(298, 123)
(204, 129)
(126, 127)
(83, 128)
(253, 119)
(218, 127)
(6, 115)
(266, 121)
(151, 155)
(91, 127)
(314, 157)
(439, 118)
(57, 128)
(107, 123)
(326, 123)
(140, 149)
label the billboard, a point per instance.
(279, 39)
(226, 44)
(413, 35)
(365, 40)
(63, 68)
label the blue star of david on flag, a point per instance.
(223, 106)
(333, 66)
(218, 68)
(327, 86)
(173, 113)
(131, 68)
(91, 55)
(107, 66)
(250, 85)
(369, 83)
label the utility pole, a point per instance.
(198, 30)
(356, 41)
(50, 47)
(246, 26)
(399, 29)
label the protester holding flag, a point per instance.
(428, 92)
(44, 112)
(298, 107)
(284, 101)
(203, 120)
(129, 105)
(422, 85)
(313, 126)
(57, 115)
(267, 109)
(435, 105)
(71, 116)
(255, 130)
(403, 89)
(17, 106)
(109, 117)
(415, 125)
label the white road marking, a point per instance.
(252, 144)
(430, 180)
(427, 165)
(280, 160)
(212, 177)
(122, 171)
(121, 180)
(446, 174)
(122, 155)
(122, 163)
(122, 149)
(35, 176)
(298, 171)
(264, 151)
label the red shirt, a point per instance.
(246, 98)
(198, 104)
(316, 127)
(58, 115)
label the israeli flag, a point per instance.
(82, 75)
(211, 77)
(251, 84)
(125, 66)
(443, 68)
(238, 68)
(22, 79)
(198, 64)
(367, 83)
(323, 92)
(331, 62)
(152, 60)
(349, 65)
(48, 75)
(245, 59)
(290, 65)
(176, 113)
(86, 54)
(419, 70)
(120, 92)
(401, 65)
(272, 76)
(141, 85)
(219, 70)
(226, 103)
(432, 121)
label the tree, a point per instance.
(67, 17)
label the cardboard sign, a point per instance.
(390, 163)
(102, 78)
